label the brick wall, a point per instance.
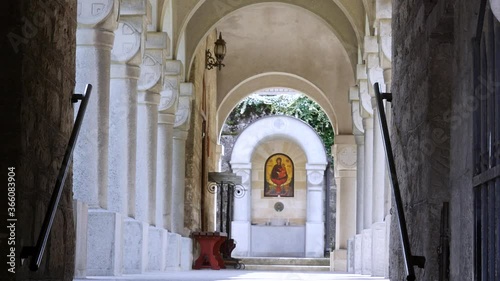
(37, 117)
(432, 81)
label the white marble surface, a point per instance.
(277, 241)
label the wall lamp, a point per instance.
(219, 52)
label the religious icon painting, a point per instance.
(279, 172)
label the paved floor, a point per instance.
(237, 275)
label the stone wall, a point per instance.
(431, 134)
(198, 201)
(37, 119)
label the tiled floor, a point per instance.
(237, 275)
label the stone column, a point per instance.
(368, 172)
(166, 120)
(345, 176)
(315, 227)
(95, 38)
(344, 152)
(358, 132)
(126, 58)
(240, 226)
(149, 88)
(360, 152)
(181, 128)
(379, 167)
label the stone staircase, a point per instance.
(286, 264)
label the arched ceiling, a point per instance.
(308, 45)
(348, 29)
(269, 80)
(283, 38)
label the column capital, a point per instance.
(148, 97)
(183, 113)
(345, 152)
(180, 134)
(131, 32)
(96, 22)
(101, 14)
(365, 109)
(240, 166)
(316, 166)
(370, 46)
(166, 118)
(368, 123)
(171, 84)
(150, 71)
(357, 120)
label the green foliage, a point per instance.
(298, 106)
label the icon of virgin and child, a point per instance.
(279, 176)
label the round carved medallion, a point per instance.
(278, 206)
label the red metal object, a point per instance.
(210, 256)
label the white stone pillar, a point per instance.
(181, 128)
(166, 120)
(358, 131)
(368, 172)
(94, 40)
(344, 152)
(126, 58)
(149, 199)
(315, 224)
(379, 167)
(360, 168)
(240, 226)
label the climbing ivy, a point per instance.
(299, 106)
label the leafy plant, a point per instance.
(298, 106)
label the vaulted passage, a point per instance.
(166, 76)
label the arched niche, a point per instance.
(301, 134)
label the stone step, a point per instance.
(286, 261)
(279, 267)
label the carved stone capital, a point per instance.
(184, 107)
(150, 71)
(346, 157)
(385, 41)
(127, 43)
(315, 177)
(365, 109)
(93, 13)
(357, 121)
(371, 45)
(383, 9)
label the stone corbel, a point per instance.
(495, 8)
(183, 113)
(152, 66)
(365, 108)
(98, 13)
(130, 35)
(171, 83)
(356, 116)
(385, 43)
(96, 22)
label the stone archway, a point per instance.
(304, 136)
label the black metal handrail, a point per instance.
(37, 251)
(410, 260)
